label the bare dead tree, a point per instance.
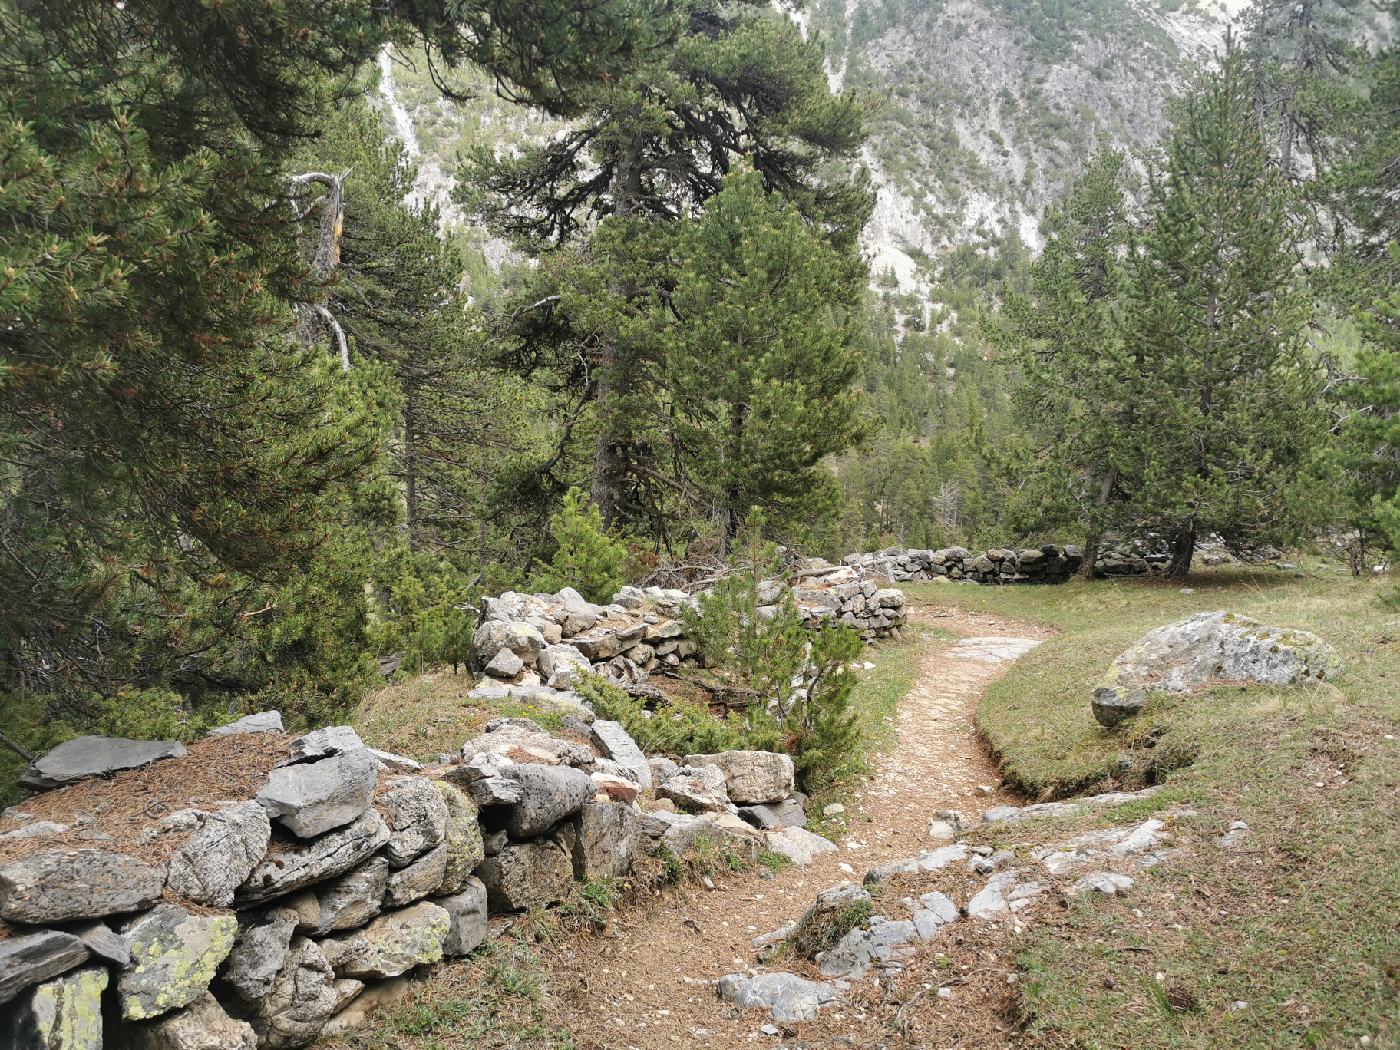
(325, 258)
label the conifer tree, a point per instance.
(1225, 415)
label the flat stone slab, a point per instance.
(992, 649)
(262, 722)
(92, 756)
(311, 798)
(1013, 814)
(29, 958)
(786, 996)
(67, 884)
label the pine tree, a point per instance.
(585, 556)
(1066, 335)
(741, 83)
(1225, 415)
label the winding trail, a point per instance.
(646, 983)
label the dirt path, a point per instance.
(647, 982)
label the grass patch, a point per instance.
(823, 930)
(1289, 942)
(497, 998)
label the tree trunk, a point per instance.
(614, 383)
(733, 492)
(1094, 539)
(1183, 550)
(410, 469)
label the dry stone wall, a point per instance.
(135, 915)
(1048, 563)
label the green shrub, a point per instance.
(586, 557)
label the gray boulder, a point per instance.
(220, 850)
(203, 1025)
(879, 942)
(301, 864)
(1207, 649)
(928, 861)
(520, 638)
(63, 885)
(932, 912)
(392, 944)
(798, 844)
(91, 756)
(174, 956)
(103, 941)
(416, 815)
(302, 998)
(420, 879)
(262, 722)
(773, 816)
(462, 837)
(614, 742)
(322, 743)
(549, 795)
(751, 776)
(466, 912)
(523, 741)
(696, 789)
(29, 958)
(348, 902)
(311, 798)
(527, 875)
(785, 996)
(505, 664)
(603, 839)
(259, 953)
(62, 1014)
(563, 666)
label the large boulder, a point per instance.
(524, 741)
(220, 850)
(527, 875)
(62, 1014)
(28, 958)
(392, 944)
(203, 1025)
(295, 865)
(522, 639)
(311, 798)
(751, 776)
(798, 844)
(773, 816)
(66, 884)
(466, 911)
(1209, 649)
(174, 956)
(91, 756)
(549, 795)
(416, 815)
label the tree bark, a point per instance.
(614, 383)
(1094, 539)
(1183, 550)
(410, 469)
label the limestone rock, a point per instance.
(773, 816)
(203, 1025)
(751, 776)
(416, 815)
(549, 795)
(616, 788)
(798, 844)
(63, 885)
(1102, 883)
(174, 955)
(221, 850)
(62, 1014)
(263, 722)
(786, 996)
(1210, 648)
(302, 998)
(91, 756)
(300, 864)
(1005, 892)
(933, 911)
(466, 912)
(527, 875)
(522, 639)
(350, 901)
(311, 798)
(697, 789)
(563, 666)
(523, 741)
(421, 878)
(929, 860)
(505, 664)
(602, 839)
(876, 943)
(1013, 814)
(616, 743)
(103, 941)
(392, 944)
(322, 743)
(29, 958)
(462, 838)
(259, 952)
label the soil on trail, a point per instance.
(647, 982)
